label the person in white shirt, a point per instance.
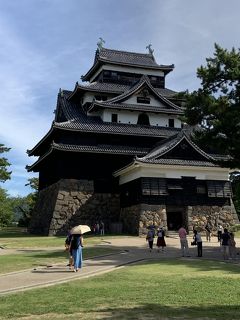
(198, 240)
(219, 232)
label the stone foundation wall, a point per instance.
(136, 219)
(43, 211)
(72, 202)
(199, 215)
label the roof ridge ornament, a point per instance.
(61, 92)
(100, 44)
(150, 50)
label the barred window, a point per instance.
(201, 189)
(154, 186)
(219, 189)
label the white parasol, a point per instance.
(80, 229)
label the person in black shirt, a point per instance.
(76, 247)
(225, 244)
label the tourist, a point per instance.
(232, 246)
(208, 231)
(101, 228)
(76, 247)
(160, 239)
(150, 238)
(198, 241)
(183, 241)
(225, 244)
(67, 246)
(219, 232)
(97, 228)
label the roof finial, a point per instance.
(150, 50)
(100, 43)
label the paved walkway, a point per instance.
(131, 250)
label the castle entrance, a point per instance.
(176, 217)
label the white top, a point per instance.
(198, 237)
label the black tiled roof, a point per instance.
(112, 149)
(166, 92)
(179, 162)
(77, 120)
(144, 82)
(103, 149)
(171, 143)
(143, 60)
(105, 87)
(134, 107)
(122, 57)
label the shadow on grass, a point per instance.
(87, 253)
(114, 257)
(198, 265)
(161, 312)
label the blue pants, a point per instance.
(77, 257)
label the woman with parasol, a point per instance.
(77, 244)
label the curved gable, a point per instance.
(143, 85)
(180, 147)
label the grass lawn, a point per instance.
(35, 258)
(15, 238)
(170, 289)
(33, 251)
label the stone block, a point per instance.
(58, 207)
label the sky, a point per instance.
(48, 44)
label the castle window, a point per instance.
(171, 123)
(106, 73)
(143, 119)
(145, 100)
(143, 97)
(219, 189)
(101, 98)
(114, 117)
(201, 189)
(114, 74)
(154, 78)
(154, 186)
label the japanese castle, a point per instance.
(118, 152)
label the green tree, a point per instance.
(4, 174)
(215, 106)
(27, 204)
(6, 208)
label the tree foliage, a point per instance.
(215, 106)
(6, 208)
(25, 208)
(4, 174)
(17, 209)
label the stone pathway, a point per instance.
(131, 250)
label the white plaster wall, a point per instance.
(176, 172)
(125, 116)
(88, 97)
(129, 117)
